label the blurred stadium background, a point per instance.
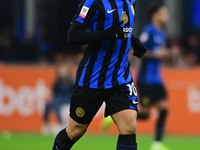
(34, 55)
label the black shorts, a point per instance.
(150, 94)
(85, 102)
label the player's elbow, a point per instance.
(72, 35)
(70, 39)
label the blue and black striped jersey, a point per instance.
(105, 63)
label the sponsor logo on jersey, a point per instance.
(127, 29)
(84, 12)
(127, 32)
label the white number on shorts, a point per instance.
(132, 89)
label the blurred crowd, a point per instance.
(47, 43)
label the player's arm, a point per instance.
(78, 35)
(160, 54)
(139, 48)
(87, 13)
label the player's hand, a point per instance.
(163, 53)
(114, 32)
(139, 49)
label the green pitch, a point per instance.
(92, 142)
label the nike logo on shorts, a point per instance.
(110, 11)
(133, 100)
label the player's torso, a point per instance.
(106, 62)
(150, 68)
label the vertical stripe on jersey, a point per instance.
(111, 46)
(83, 73)
(95, 52)
(90, 66)
(81, 68)
(130, 75)
(127, 71)
(95, 26)
(122, 50)
(91, 28)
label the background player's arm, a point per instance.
(160, 54)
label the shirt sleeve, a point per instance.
(87, 12)
(75, 35)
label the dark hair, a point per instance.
(153, 8)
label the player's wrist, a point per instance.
(109, 34)
(114, 32)
(106, 34)
(139, 48)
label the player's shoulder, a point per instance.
(149, 28)
(145, 36)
